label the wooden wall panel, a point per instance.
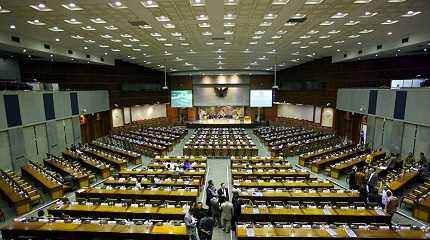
(172, 114)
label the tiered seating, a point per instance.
(117, 161)
(325, 160)
(220, 142)
(150, 141)
(176, 181)
(153, 122)
(245, 231)
(131, 156)
(288, 141)
(42, 176)
(16, 194)
(84, 228)
(313, 212)
(29, 189)
(88, 161)
(338, 168)
(69, 168)
(396, 181)
(419, 198)
(417, 193)
(305, 158)
(114, 208)
(279, 182)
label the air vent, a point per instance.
(218, 38)
(297, 20)
(88, 56)
(137, 23)
(15, 39)
(405, 40)
(46, 46)
(69, 51)
(379, 47)
(345, 55)
(102, 59)
(360, 52)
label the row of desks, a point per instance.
(82, 179)
(318, 196)
(287, 232)
(282, 184)
(159, 194)
(305, 158)
(103, 170)
(22, 204)
(54, 188)
(62, 230)
(172, 182)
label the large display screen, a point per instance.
(181, 98)
(261, 98)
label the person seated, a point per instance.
(410, 159)
(187, 165)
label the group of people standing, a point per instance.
(222, 212)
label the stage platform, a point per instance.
(220, 123)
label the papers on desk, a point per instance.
(331, 232)
(350, 232)
(250, 232)
(257, 194)
(380, 212)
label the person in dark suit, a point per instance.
(223, 193)
(351, 178)
(206, 228)
(372, 181)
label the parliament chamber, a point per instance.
(214, 119)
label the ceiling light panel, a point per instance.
(72, 6)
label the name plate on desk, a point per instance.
(326, 211)
(331, 232)
(255, 211)
(257, 194)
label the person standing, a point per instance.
(209, 193)
(236, 209)
(372, 181)
(190, 223)
(223, 193)
(216, 211)
(392, 204)
(226, 215)
(351, 178)
(199, 212)
(206, 228)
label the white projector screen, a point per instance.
(181, 98)
(261, 98)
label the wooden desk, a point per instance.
(302, 196)
(134, 158)
(405, 178)
(337, 170)
(180, 158)
(83, 179)
(308, 157)
(266, 173)
(148, 182)
(103, 170)
(257, 159)
(283, 184)
(280, 165)
(318, 164)
(129, 212)
(56, 230)
(153, 164)
(283, 214)
(286, 232)
(201, 172)
(55, 189)
(138, 194)
(20, 203)
(118, 164)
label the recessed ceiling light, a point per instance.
(149, 4)
(339, 15)
(280, 2)
(72, 6)
(339, 42)
(231, 2)
(115, 50)
(145, 26)
(228, 33)
(253, 43)
(304, 47)
(77, 37)
(328, 46)
(296, 43)
(41, 7)
(206, 33)
(227, 43)
(97, 20)
(298, 16)
(229, 16)
(111, 27)
(88, 28)
(202, 17)
(334, 32)
(281, 32)
(162, 19)
(313, 42)
(365, 31)
(116, 40)
(176, 34)
(290, 24)
(311, 2)
(106, 36)
(270, 43)
(204, 25)
(326, 23)
(210, 43)
(359, 43)
(185, 44)
(276, 36)
(161, 39)
(369, 14)
(55, 29)
(117, 4)
(362, 1)
(305, 36)
(134, 40)
(104, 46)
(389, 22)
(36, 22)
(351, 23)
(155, 34)
(169, 25)
(259, 32)
(396, 1)
(89, 41)
(197, 3)
(57, 40)
(313, 32)
(354, 36)
(12, 26)
(270, 16)
(410, 14)
(3, 10)
(265, 24)
(72, 21)
(324, 36)
(85, 47)
(229, 24)
(389, 33)
(168, 44)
